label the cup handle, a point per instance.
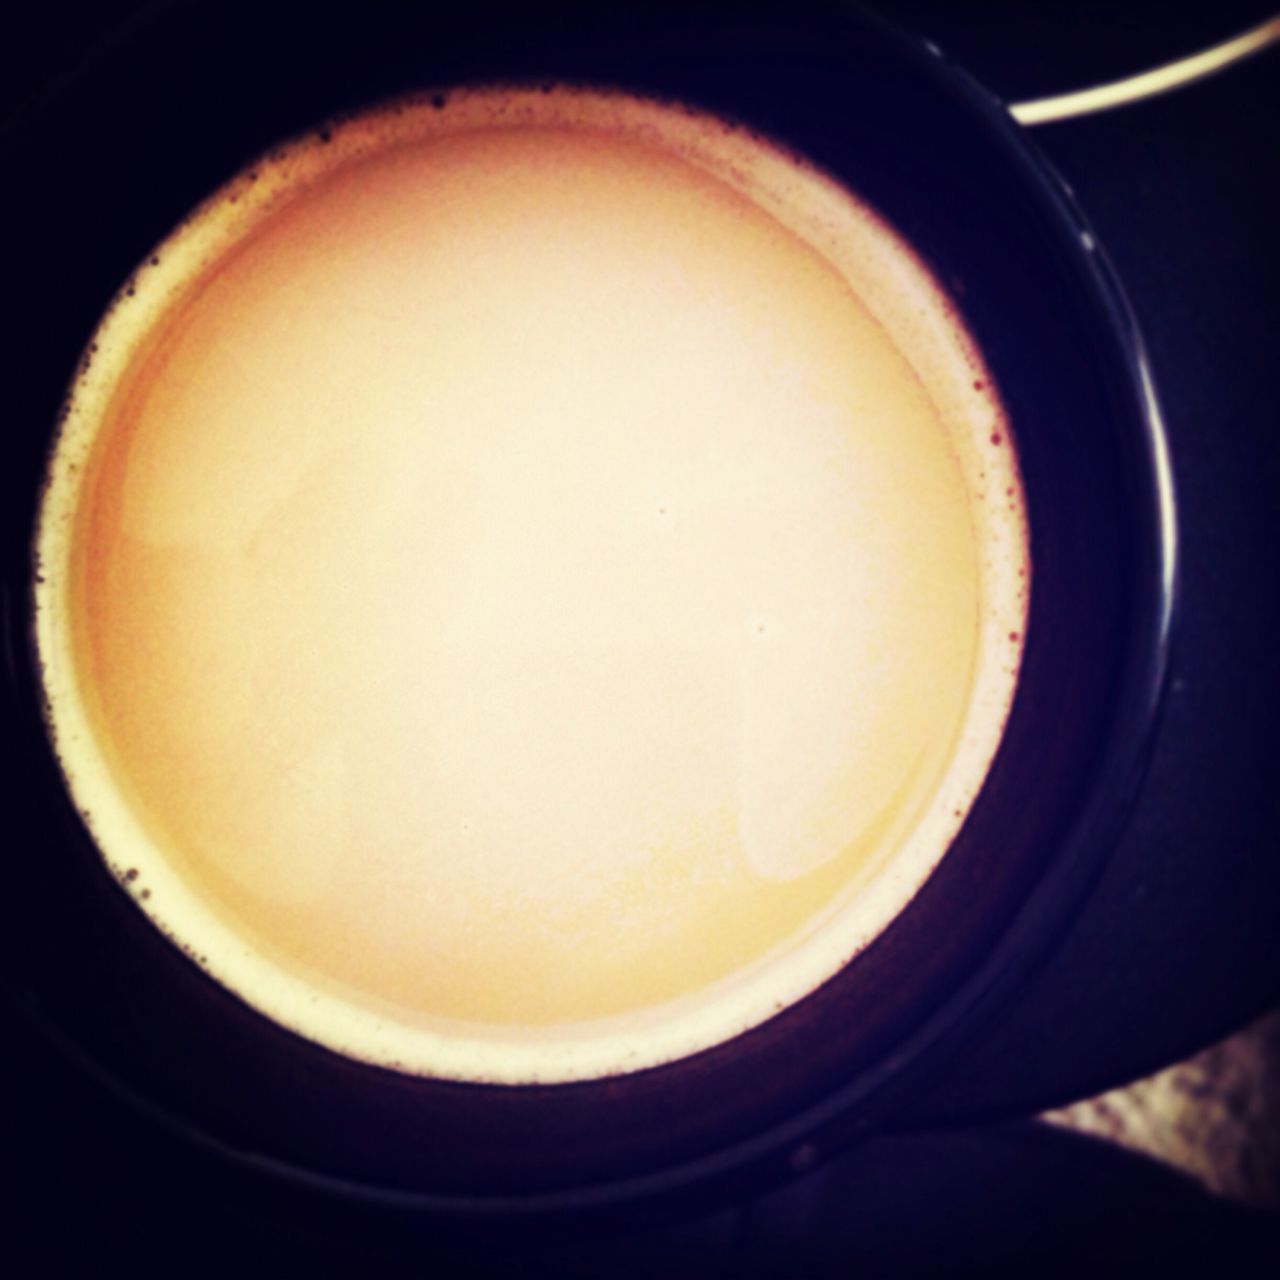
(1147, 84)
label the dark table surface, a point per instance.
(1179, 943)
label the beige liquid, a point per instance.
(529, 587)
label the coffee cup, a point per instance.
(1068, 437)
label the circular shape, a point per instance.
(529, 586)
(945, 168)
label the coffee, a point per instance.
(530, 583)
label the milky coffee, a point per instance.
(529, 586)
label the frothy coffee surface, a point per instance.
(530, 585)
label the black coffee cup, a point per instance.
(184, 101)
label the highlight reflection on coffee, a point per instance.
(530, 583)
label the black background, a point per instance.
(1180, 942)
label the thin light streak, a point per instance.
(1173, 75)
